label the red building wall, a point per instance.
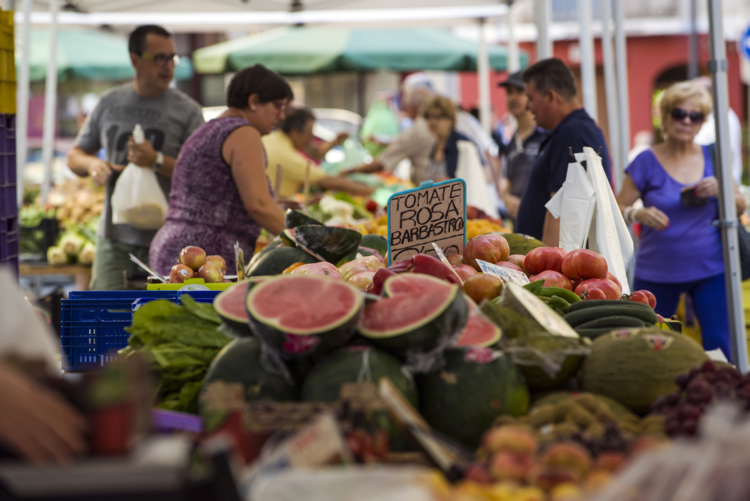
(648, 58)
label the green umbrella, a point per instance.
(87, 55)
(303, 50)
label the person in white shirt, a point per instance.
(707, 134)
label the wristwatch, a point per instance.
(159, 162)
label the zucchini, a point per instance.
(593, 303)
(593, 333)
(614, 321)
(570, 296)
(579, 317)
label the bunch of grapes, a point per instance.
(683, 409)
(612, 441)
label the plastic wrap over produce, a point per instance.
(715, 467)
(397, 483)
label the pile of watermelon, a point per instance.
(305, 330)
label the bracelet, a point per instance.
(629, 214)
(626, 214)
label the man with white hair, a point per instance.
(707, 134)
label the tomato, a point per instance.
(553, 279)
(543, 259)
(372, 206)
(650, 296)
(583, 264)
(639, 297)
(593, 294)
(608, 287)
(610, 276)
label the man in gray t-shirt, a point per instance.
(168, 118)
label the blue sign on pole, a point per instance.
(744, 44)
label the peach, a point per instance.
(567, 455)
(597, 479)
(180, 273)
(193, 257)
(610, 461)
(211, 273)
(505, 465)
(480, 286)
(547, 477)
(510, 439)
(567, 491)
(218, 261)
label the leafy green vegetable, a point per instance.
(359, 210)
(182, 341)
(200, 310)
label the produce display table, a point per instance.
(82, 274)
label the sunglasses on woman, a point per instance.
(679, 115)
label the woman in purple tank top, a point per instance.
(220, 193)
(680, 250)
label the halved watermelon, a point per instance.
(287, 237)
(479, 330)
(279, 259)
(304, 315)
(420, 312)
(230, 306)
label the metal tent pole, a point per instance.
(727, 212)
(543, 14)
(588, 63)
(621, 57)
(514, 56)
(50, 103)
(483, 75)
(693, 48)
(610, 82)
(22, 104)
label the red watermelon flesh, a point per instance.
(478, 331)
(230, 306)
(413, 283)
(289, 304)
(421, 311)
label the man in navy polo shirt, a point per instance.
(553, 99)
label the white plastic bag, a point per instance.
(137, 199)
(470, 169)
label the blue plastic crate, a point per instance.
(94, 322)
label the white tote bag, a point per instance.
(470, 169)
(137, 199)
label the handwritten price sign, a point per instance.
(432, 213)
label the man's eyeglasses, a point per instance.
(679, 115)
(162, 59)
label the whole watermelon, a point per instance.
(355, 364)
(475, 386)
(241, 363)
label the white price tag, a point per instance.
(547, 318)
(503, 273)
(445, 261)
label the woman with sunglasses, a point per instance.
(680, 250)
(220, 193)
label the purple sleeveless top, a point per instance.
(690, 248)
(205, 207)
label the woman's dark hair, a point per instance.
(297, 120)
(137, 40)
(257, 80)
